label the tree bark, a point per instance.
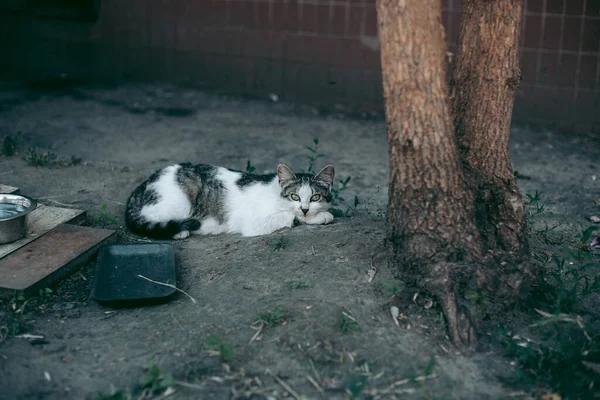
(431, 231)
(483, 87)
(453, 196)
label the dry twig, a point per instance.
(168, 285)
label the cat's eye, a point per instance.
(315, 197)
(295, 197)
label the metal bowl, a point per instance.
(14, 209)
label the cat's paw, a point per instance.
(321, 218)
(181, 235)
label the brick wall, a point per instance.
(322, 52)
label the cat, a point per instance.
(206, 199)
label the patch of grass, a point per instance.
(39, 158)
(215, 343)
(250, 168)
(10, 145)
(272, 318)
(567, 358)
(153, 384)
(392, 287)
(17, 325)
(279, 243)
(534, 204)
(357, 385)
(566, 282)
(300, 285)
(347, 324)
(562, 352)
(105, 218)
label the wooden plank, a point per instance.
(52, 257)
(8, 189)
(41, 220)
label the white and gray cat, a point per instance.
(206, 199)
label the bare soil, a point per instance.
(109, 139)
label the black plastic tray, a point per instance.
(119, 265)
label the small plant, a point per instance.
(347, 324)
(225, 350)
(300, 285)
(313, 156)
(534, 205)
(10, 145)
(391, 287)
(272, 318)
(279, 243)
(249, 167)
(154, 382)
(38, 158)
(105, 218)
(357, 385)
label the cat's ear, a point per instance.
(326, 175)
(285, 174)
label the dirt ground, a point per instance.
(108, 139)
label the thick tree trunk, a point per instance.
(483, 87)
(431, 232)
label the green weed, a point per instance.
(564, 354)
(272, 318)
(300, 285)
(347, 324)
(392, 287)
(39, 158)
(10, 145)
(105, 218)
(279, 243)
(534, 205)
(225, 350)
(250, 168)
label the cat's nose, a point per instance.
(305, 210)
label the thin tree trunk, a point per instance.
(484, 82)
(431, 232)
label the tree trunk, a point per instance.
(483, 87)
(453, 198)
(431, 232)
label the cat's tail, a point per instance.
(160, 230)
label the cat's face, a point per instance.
(307, 194)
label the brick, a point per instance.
(548, 69)
(588, 71)
(356, 19)
(370, 22)
(591, 35)
(554, 6)
(308, 18)
(533, 31)
(587, 105)
(551, 38)
(535, 6)
(592, 8)
(567, 70)
(571, 33)
(263, 17)
(292, 17)
(239, 13)
(529, 66)
(574, 7)
(338, 20)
